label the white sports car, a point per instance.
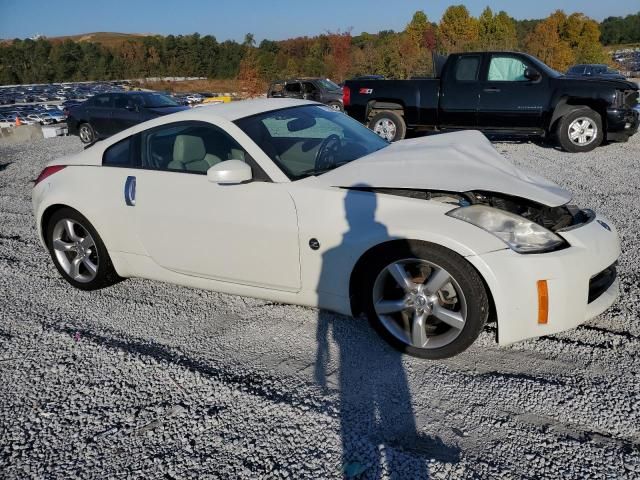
(294, 202)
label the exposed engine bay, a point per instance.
(553, 218)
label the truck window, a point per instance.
(467, 68)
(293, 88)
(506, 69)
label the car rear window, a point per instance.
(467, 68)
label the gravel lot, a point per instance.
(148, 380)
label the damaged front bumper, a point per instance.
(581, 282)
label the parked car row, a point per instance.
(52, 92)
(33, 114)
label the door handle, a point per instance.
(130, 191)
(492, 90)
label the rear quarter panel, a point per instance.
(419, 98)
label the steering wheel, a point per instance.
(326, 155)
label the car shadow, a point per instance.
(380, 437)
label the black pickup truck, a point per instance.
(499, 93)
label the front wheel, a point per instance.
(580, 130)
(389, 125)
(425, 300)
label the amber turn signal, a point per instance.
(543, 302)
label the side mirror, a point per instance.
(230, 172)
(531, 74)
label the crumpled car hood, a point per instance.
(454, 162)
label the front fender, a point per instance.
(348, 223)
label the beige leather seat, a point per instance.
(190, 154)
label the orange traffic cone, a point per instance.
(18, 122)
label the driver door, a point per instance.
(245, 233)
(508, 100)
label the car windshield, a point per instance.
(155, 100)
(310, 140)
(328, 84)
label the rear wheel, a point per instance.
(337, 106)
(86, 133)
(78, 251)
(580, 130)
(389, 125)
(425, 300)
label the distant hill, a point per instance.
(108, 39)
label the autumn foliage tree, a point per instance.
(562, 40)
(496, 31)
(249, 75)
(458, 31)
(559, 40)
(418, 41)
(338, 57)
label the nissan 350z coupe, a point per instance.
(291, 201)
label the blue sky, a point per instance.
(273, 19)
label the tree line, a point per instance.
(559, 40)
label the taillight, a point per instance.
(47, 172)
(346, 96)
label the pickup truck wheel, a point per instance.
(389, 125)
(580, 130)
(337, 106)
(86, 133)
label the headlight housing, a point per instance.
(520, 234)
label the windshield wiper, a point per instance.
(314, 172)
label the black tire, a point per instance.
(395, 118)
(466, 277)
(86, 133)
(564, 128)
(336, 106)
(105, 273)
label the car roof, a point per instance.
(214, 113)
(245, 108)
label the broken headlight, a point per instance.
(520, 234)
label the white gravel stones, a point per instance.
(147, 380)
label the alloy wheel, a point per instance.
(583, 131)
(75, 250)
(385, 128)
(419, 303)
(85, 134)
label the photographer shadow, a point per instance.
(378, 428)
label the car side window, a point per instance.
(103, 101)
(191, 147)
(506, 69)
(467, 68)
(121, 101)
(119, 154)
